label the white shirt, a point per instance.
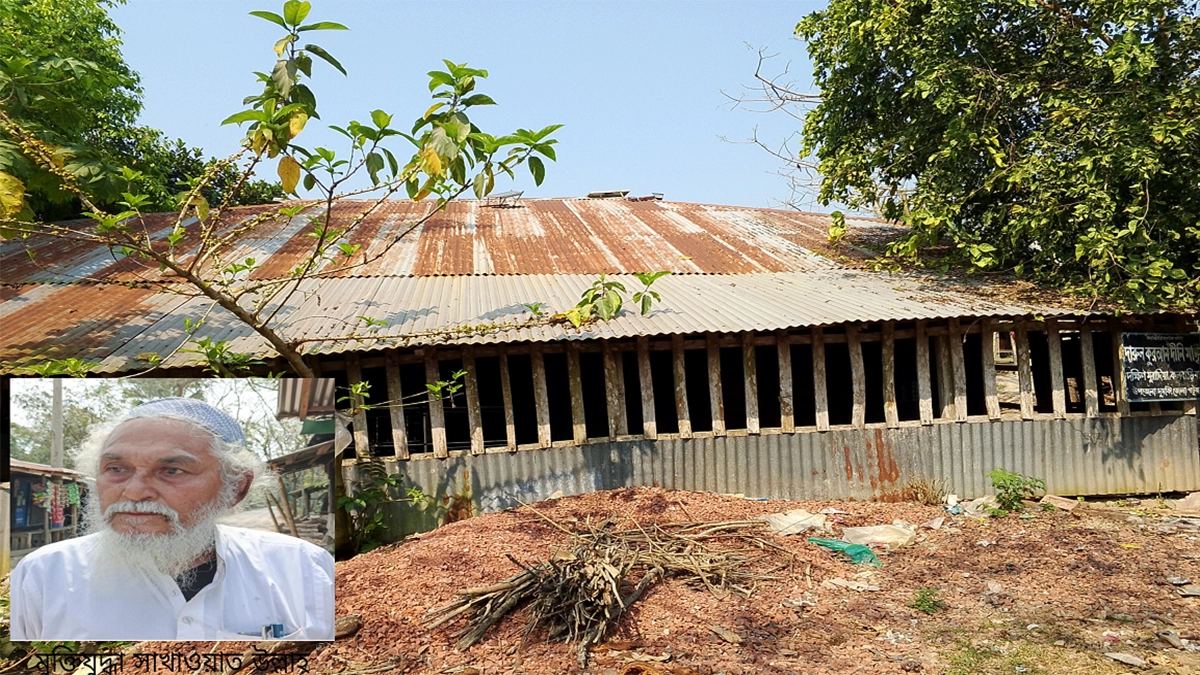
(262, 578)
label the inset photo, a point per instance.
(170, 509)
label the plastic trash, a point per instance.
(979, 508)
(795, 521)
(857, 553)
(889, 535)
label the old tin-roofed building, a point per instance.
(774, 366)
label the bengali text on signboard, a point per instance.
(1161, 366)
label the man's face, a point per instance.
(164, 461)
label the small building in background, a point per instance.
(44, 505)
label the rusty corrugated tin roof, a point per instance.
(546, 236)
(736, 269)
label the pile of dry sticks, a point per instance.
(578, 595)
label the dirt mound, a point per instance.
(1050, 592)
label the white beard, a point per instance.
(174, 554)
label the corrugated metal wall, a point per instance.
(1077, 456)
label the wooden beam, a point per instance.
(787, 409)
(1058, 394)
(1118, 379)
(1091, 386)
(954, 343)
(578, 420)
(750, 371)
(305, 393)
(614, 389)
(474, 414)
(1024, 370)
(649, 424)
(987, 347)
(437, 410)
(715, 400)
(858, 377)
(396, 409)
(362, 445)
(541, 396)
(820, 392)
(923, 388)
(945, 374)
(681, 402)
(891, 414)
(510, 425)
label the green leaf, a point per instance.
(294, 11)
(270, 16)
(537, 169)
(325, 56)
(246, 116)
(321, 25)
(309, 181)
(478, 99)
(381, 119)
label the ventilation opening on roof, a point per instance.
(607, 194)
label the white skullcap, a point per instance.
(215, 420)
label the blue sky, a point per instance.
(638, 85)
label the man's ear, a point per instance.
(243, 488)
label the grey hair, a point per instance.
(236, 461)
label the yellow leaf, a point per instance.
(431, 161)
(432, 109)
(289, 173)
(421, 195)
(282, 45)
(12, 196)
(296, 123)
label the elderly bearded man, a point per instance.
(156, 565)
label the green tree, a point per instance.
(63, 79)
(1059, 139)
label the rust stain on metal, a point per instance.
(849, 466)
(885, 462)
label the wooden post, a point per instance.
(1024, 370)
(858, 376)
(1058, 394)
(396, 396)
(987, 349)
(474, 414)
(578, 420)
(681, 402)
(362, 445)
(923, 388)
(649, 425)
(614, 389)
(286, 505)
(541, 396)
(820, 392)
(891, 414)
(787, 409)
(510, 426)
(1183, 326)
(1091, 386)
(945, 376)
(954, 343)
(1118, 380)
(437, 410)
(715, 400)
(750, 370)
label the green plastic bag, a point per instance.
(857, 553)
